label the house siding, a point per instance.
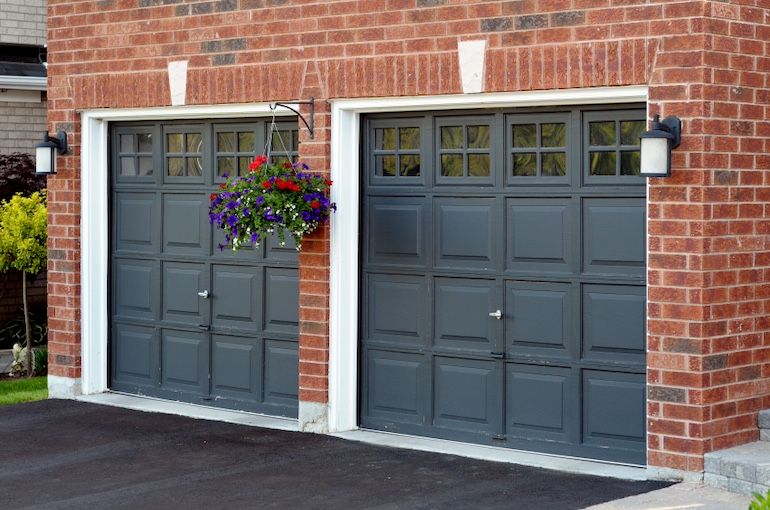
(706, 62)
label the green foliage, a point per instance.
(23, 222)
(760, 502)
(41, 361)
(23, 390)
(15, 332)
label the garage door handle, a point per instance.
(204, 294)
(497, 315)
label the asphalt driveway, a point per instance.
(73, 455)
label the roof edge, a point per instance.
(24, 82)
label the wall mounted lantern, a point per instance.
(45, 153)
(656, 146)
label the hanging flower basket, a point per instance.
(272, 199)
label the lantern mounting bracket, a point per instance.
(311, 102)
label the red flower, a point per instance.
(223, 185)
(266, 184)
(258, 162)
(213, 196)
(328, 182)
(286, 165)
(315, 204)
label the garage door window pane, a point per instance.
(630, 131)
(145, 166)
(452, 138)
(175, 142)
(602, 163)
(127, 166)
(226, 142)
(225, 166)
(554, 164)
(409, 138)
(630, 162)
(176, 167)
(452, 165)
(385, 166)
(126, 143)
(410, 166)
(602, 133)
(194, 167)
(553, 135)
(478, 137)
(525, 164)
(194, 142)
(385, 139)
(246, 142)
(525, 135)
(478, 165)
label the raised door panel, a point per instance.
(467, 394)
(136, 354)
(281, 300)
(397, 309)
(136, 289)
(462, 314)
(236, 292)
(186, 227)
(181, 284)
(280, 382)
(540, 236)
(614, 406)
(185, 361)
(467, 233)
(538, 400)
(395, 386)
(137, 223)
(614, 241)
(539, 320)
(235, 367)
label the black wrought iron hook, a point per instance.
(312, 111)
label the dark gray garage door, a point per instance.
(190, 322)
(504, 296)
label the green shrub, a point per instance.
(760, 502)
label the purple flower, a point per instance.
(254, 238)
(232, 220)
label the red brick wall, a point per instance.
(706, 62)
(709, 334)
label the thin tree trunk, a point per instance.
(26, 322)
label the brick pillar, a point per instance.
(314, 284)
(709, 263)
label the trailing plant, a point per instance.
(760, 502)
(272, 199)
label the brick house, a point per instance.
(497, 272)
